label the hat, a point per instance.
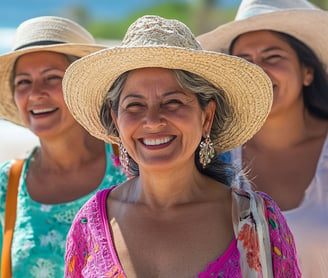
(297, 18)
(45, 33)
(152, 41)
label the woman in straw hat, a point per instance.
(170, 106)
(70, 165)
(287, 158)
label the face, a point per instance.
(277, 58)
(38, 93)
(160, 124)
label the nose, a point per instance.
(154, 118)
(37, 90)
(259, 62)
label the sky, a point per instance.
(13, 12)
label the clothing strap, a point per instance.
(10, 216)
(115, 149)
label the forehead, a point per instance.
(151, 80)
(41, 58)
(260, 37)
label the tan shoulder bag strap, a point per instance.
(115, 149)
(10, 217)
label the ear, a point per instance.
(209, 116)
(308, 75)
(114, 120)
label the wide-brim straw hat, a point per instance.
(45, 33)
(152, 41)
(297, 18)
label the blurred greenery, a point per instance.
(199, 15)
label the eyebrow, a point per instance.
(135, 95)
(263, 51)
(42, 72)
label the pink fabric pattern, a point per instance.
(90, 251)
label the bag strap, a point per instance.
(115, 149)
(10, 216)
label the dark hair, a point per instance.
(315, 95)
(206, 91)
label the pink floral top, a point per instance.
(90, 250)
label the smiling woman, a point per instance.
(169, 106)
(67, 167)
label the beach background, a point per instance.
(107, 20)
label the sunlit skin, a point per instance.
(160, 124)
(38, 93)
(282, 157)
(153, 216)
(70, 163)
(280, 62)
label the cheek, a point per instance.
(19, 99)
(125, 124)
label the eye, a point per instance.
(274, 58)
(54, 79)
(21, 84)
(172, 104)
(134, 107)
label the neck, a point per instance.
(168, 188)
(290, 129)
(69, 153)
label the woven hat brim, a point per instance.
(8, 108)
(308, 26)
(248, 89)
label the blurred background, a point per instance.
(108, 21)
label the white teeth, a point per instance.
(40, 111)
(157, 141)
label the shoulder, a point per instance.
(92, 207)
(87, 232)
(89, 216)
(4, 173)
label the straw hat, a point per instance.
(297, 18)
(152, 41)
(45, 33)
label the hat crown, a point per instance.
(156, 31)
(250, 8)
(39, 30)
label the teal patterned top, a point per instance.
(39, 241)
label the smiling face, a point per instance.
(38, 93)
(160, 124)
(278, 59)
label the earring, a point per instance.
(124, 158)
(206, 152)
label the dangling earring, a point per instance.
(206, 152)
(124, 158)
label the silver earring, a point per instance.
(124, 158)
(206, 152)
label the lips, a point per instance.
(157, 141)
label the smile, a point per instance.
(42, 111)
(157, 141)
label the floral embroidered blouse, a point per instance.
(90, 250)
(38, 247)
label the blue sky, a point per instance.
(12, 12)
